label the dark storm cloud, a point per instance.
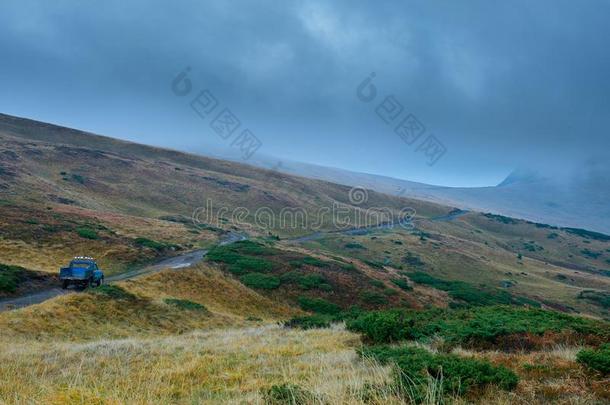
(502, 84)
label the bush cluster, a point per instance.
(373, 298)
(309, 322)
(480, 326)
(383, 326)
(87, 233)
(412, 260)
(243, 265)
(10, 276)
(374, 264)
(229, 254)
(596, 359)
(260, 280)
(306, 281)
(318, 305)
(599, 298)
(153, 244)
(402, 283)
(458, 375)
(354, 245)
(468, 293)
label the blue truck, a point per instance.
(83, 272)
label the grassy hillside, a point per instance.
(16, 281)
(66, 192)
(515, 258)
(159, 304)
(461, 308)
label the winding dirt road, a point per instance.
(174, 263)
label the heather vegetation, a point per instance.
(469, 294)
(596, 359)
(501, 327)
(10, 277)
(436, 314)
(457, 375)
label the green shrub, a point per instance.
(260, 280)
(373, 298)
(244, 265)
(287, 394)
(349, 267)
(458, 375)
(113, 291)
(374, 264)
(229, 253)
(402, 283)
(248, 247)
(318, 305)
(588, 234)
(596, 359)
(153, 244)
(412, 260)
(295, 263)
(390, 292)
(10, 276)
(478, 327)
(185, 304)
(306, 281)
(291, 277)
(87, 233)
(376, 283)
(354, 245)
(310, 281)
(308, 322)
(532, 246)
(382, 326)
(502, 218)
(460, 290)
(325, 287)
(221, 255)
(78, 178)
(590, 253)
(599, 298)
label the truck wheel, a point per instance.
(99, 282)
(65, 284)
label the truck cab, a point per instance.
(82, 271)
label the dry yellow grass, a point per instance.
(89, 316)
(547, 376)
(222, 366)
(45, 240)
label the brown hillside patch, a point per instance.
(143, 310)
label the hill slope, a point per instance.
(580, 200)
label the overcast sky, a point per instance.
(501, 85)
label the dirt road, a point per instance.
(175, 263)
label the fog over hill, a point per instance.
(576, 198)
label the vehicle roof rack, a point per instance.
(83, 258)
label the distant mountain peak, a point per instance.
(521, 176)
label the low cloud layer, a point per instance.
(501, 85)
